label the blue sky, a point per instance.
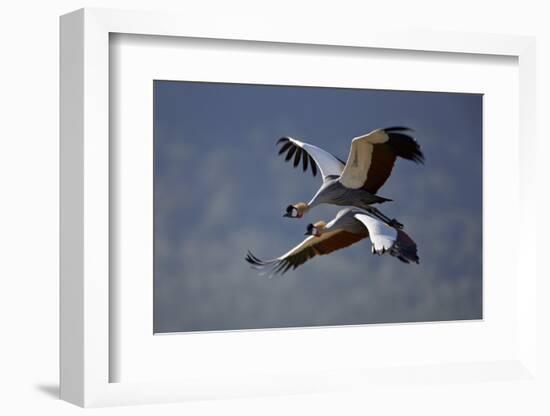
(220, 189)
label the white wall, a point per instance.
(29, 175)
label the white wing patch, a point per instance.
(327, 163)
(359, 160)
(381, 235)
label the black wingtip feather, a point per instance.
(288, 266)
(298, 156)
(313, 166)
(275, 267)
(285, 147)
(397, 128)
(290, 153)
(250, 258)
(406, 147)
(403, 259)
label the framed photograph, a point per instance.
(210, 212)
(269, 212)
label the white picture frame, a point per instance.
(86, 304)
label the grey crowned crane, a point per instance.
(356, 181)
(347, 228)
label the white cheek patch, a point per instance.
(294, 212)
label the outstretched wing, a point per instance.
(306, 250)
(372, 156)
(310, 155)
(388, 239)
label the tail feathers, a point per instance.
(367, 201)
(404, 145)
(405, 248)
(379, 199)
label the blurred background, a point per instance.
(221, 189)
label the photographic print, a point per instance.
(291, 206)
